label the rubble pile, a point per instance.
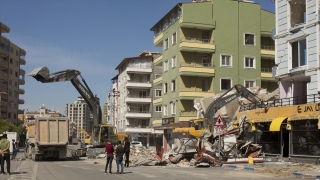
(140, 155)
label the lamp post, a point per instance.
(112, 106)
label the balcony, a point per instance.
(158, 60)
(21, 82)
(4, 103)
(139, 68)
(20, 111)
(158, 80)
(187, 115)
(193, 93)
(266, 72)
(267, 51)
(158, 39)
(134, 113)
(3, 77)
(138, 99)
(4, 86)
(21, 101)
(22, 72)
(4, 64)
(22, 60)
(137, 84)
(4, 28)
(187, 22)
(196, 69)
(21, 91)
(197, 45)
(157, 101)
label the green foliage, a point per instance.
(7, 126)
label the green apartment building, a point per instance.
(208, 47)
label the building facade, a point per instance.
(12, 58)
(134, 94)
(79, 117)
(210, 52)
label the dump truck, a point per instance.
(47, 137)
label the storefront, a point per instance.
(289, 131)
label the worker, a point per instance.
(119, 157)
(109, 152)
(5, 153)
(14, 149)
(126, 151)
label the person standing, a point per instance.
(126, 151)
(109, 152)
(119, 157)
(14, 149)
(5, 153)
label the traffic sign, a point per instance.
(219, 121)
(219, 130)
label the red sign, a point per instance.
(219, 121)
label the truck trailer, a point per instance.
(47, 137)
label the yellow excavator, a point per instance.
(197, 126)
(101, 132)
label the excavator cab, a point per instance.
(106, 132)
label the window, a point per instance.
(297, 13)
(10, 71)
(249, 62)
(158, 93)
(10, 60)
(15, 84)
(173, 108)
(165, 65)
(158, 109)
(173, 85)
(142, 94)
(173, 61)
(166, 44)
(249, 84)
(165, 88)
(143, 109)
(226, 60)
(299, 53)
(174, 38)
(165, 110)
(10, 93)
(249, 39)
(9, 115)
(16, 74)
(17, 64)
(225, 84)
(11, 49)
(205, 61)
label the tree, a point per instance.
(7, 126)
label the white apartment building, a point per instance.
(79, 117)
(297, 50)
(133, 98)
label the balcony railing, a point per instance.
(139, 126)
(271, 48)
(3, 76)
(21, 82)
(188, 113)
(21, 101)
(4, 64)
(196, 65)
(196, 40)
(22, 71)
(21, 91)
(22, 60)
(193, 89)
(134, 109)
(144, 66)
(269, 70)
(138, 81)
(313, 98)
(137, 96)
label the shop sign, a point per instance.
(167, 121)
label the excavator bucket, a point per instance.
(41, 74)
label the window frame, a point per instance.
(254, 62)
(166, 44)
(221, 83)
(173, 85)
(173, 108)
(158, 108)
(254, 39)
(165, 110)
(155, 92)
(174, 38)
(299, 50)
(166, 66)
(174, 61)
(165, 88)
(249, 80)
(221, 55)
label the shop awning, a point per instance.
(297, 117)
(276, 123)
(172, 126)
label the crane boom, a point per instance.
(43, 75)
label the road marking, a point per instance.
(34, 172)
(148, 175)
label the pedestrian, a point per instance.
(109, 152)
(5, 153)
(126, 151)
(14, 149)
(119, 157)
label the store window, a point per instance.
(269, 140)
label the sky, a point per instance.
(92, 36)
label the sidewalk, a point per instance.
(280, 168)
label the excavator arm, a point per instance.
(225, 99)
(43, 75)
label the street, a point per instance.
(94, 169)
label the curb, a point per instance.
(233, 166)
(306, 175)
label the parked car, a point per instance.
(136, 143)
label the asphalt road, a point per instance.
(94, 169)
